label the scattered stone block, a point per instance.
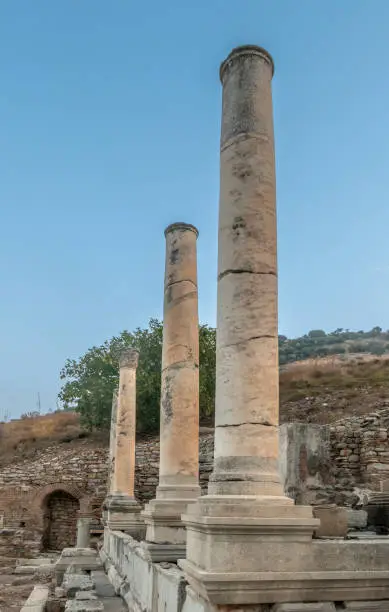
(37, 600)
(75, 605)
(356, 519)
(305, 607)
(24, 569)
(75, 581)
(381, 605)
(80, 558)
(333, 521)
(86, 595)
(34, 562)
(59, 592)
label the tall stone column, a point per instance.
(123, 511)
(179, 432)
(245, 524)
(112, 442)
(111, 455)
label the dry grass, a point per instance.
(314, 376)
(24, 434)
(348, 386)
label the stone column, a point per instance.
(83, 533)
(246, 524)
(179, 432)
(123, 511)
(112, 442)
(111, 455)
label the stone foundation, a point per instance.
(148, 587)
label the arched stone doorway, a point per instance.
(60, 511)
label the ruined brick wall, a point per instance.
(60, 528)
(360, 449)
(354, 453)
(329, 463)
(78, 470)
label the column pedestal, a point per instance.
(231, 540)
(165, 531)
(123, 514)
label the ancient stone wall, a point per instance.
(354, 453)
(360, 449)
(60, 528)
(328, 463)
(79, 471)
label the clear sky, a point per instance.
(109, 131)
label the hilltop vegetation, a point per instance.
(317, 343)
(89, 382)
(319, 391)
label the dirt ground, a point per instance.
(14, 589)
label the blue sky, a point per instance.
(110, 116)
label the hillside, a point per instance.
(315, 391)
(329, 389)
(23, 437)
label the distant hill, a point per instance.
(318, 343)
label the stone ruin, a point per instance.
(245, 545)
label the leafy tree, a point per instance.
(91, 380)
(207, 359)
(317, 333)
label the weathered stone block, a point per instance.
(333, 521)
(84, 606)
(367, 606)
(305, 607)
(74, 582)
(37, 600)
(356, 519)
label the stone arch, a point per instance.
(60, 511)
(55, 508)
(42, 493)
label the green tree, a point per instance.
(317, 333)
(207, 359)
(90, 381)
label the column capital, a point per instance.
(245, 51)
(181, 226)
(128, 358)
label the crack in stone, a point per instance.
(268, 336)
(243, 137)
(231, 271)
(179, 365)
(184, 280)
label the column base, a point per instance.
(245, 551)
(123, 513)
(165, 532)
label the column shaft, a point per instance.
(123, 511)
(124, 469)
(112, 443)
(179, 449)
(246, 436)
(179, 432)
